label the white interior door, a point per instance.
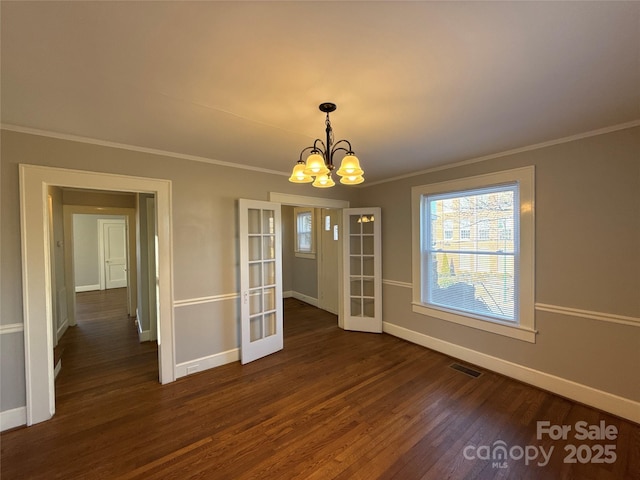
(114, 251)
(260, 279)
(362, 270)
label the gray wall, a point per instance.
(587, 258)
(205, 239)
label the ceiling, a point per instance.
(417, 84)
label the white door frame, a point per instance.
(317, 202)
(36, 278)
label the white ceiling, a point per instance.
(417, 84)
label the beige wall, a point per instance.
(92, 198)
(587, 257)
(205, 239)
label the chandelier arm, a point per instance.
(334, 149)
(321, 150)
(340, 148)
(302, 152)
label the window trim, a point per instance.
(524, 329)
(311, 254)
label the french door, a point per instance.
(260, 279)
(362, 270)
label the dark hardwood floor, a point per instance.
(331, 405)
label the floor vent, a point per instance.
(469, 371)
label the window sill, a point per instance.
(311, 256)
(518, 332)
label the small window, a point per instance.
(465, 229)
(473, 252)
(304, 233)
(448, 229)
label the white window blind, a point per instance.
(474, 270)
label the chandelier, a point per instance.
(319, 163)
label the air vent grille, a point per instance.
(466, 370)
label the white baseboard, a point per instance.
(63, 328)
(57, 369)
(205, 363)
(87, 288)
(13, 418)
(305, 298)
(144, 336)
(287, 294)
(620, 406)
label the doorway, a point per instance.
(334, 207)
(100, 247)
(39, 368)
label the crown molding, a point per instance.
(536, 146)
(135, 148)
(195, 158)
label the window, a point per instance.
(483, 225)
(465, 230)
(448, 229)
(505, 229)
(485, 280)
(304, 232)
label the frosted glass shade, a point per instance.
(323, 181)
(352, 180)
(350, 166)
(315, 165)
(298, 175)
